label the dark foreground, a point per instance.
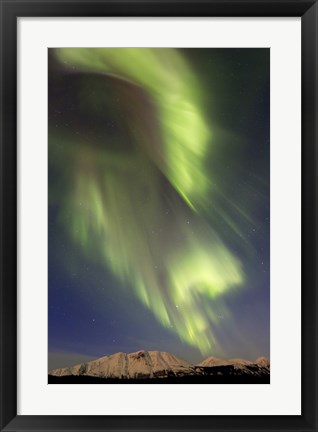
(193, 379)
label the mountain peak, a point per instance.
(135, 365)
(144, 364)
(263, 361)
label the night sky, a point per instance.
(159, 203)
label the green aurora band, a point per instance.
(165, 250)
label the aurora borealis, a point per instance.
(159, 201)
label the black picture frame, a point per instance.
(10, 11)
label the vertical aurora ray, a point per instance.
(138, 210)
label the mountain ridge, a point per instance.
(145, 364)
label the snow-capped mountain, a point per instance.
(263, 361)
(156, 364)
(213, 361)
(140, 364)
(235, 366)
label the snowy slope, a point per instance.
(213, 361)
(141, 364)
(157, 364)
(235, 366)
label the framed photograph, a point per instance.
(158, 215)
